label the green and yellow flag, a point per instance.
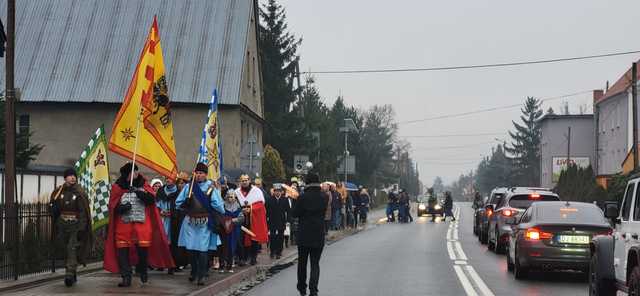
(93, 175)
(147, 100)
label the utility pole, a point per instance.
(634, 104)
(568, 147)
(10, 129)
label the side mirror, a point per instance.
(611, 211)
(510, 221)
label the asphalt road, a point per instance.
(421, 258)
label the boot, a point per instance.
(124, 266)
(68, 280)
(142, 267)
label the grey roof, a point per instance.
(86, 50)
(567, 116)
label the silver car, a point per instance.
(515, 202)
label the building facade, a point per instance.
(75, 59)
(557, 144)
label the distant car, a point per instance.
(428, 205)
(478, 214)
(515, 202)
(495, 198)
(554, 236)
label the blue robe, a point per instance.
(198, 237)
(165, 206)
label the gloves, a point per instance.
(123, 208)
(144, 196)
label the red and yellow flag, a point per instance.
(147, 99)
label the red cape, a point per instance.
(159, 252)
(258, 224)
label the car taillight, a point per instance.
(606, 232)
(489, 213)
(535, 234)
(509, 212)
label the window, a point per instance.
(248, 76)
(22, 127)
(636, 211)
(524, 201)
(626, 204)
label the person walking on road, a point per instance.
(365, 203)
(277, 212)
(231, 241)
(196, 235)
(448, 207)
(253, 201)
(310, 210)
(72, 220)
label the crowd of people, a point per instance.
(399, 200)
(209, 225)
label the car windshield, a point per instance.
(497, 198)
(525, 200)
(570, 214)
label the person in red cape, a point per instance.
(134, 223)
(253, 204)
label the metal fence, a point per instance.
(32, 248)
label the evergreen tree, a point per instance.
(438, 185)
(279, 59)
(272, 166)
(524, 148)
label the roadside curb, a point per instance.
(26, 283)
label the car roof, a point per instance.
(499, 190)
(556, 204)
(528, 190)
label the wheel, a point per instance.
(634, 282)
(484, 237)
(519, 271)
(509, 262)
(599, 286)
(498, 247)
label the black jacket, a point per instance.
(277, 212)
(310, 210)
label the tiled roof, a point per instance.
(86, 50)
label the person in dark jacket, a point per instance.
(310, 210)
(277, 212)
(448, 207)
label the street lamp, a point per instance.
(349, 126)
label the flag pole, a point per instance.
(135, 147)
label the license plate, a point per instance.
(573, 239)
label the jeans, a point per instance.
(337, 219)
(304, 253)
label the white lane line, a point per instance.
(461, 254)
(452, 255)
(455, 233)
(449, 233)
(468, 288)
(460, 262)
(479, 282)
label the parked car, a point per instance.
(429, 205)
(515, 202)
(554, 235)
(615, 258)
(495, 197)
(478, 214)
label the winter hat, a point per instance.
(201, 167)
(125, 170)
(154, 181)
(70, 172)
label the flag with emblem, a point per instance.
(210, 143)
(93, 175)
(143, 126)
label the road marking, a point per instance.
(464, 281)
(452, 255)
(449, 234)
(460, 262)
(455, 233)
(461, 254)
(479, 282)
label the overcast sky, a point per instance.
(373, 34)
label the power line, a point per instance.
(495, 65)
(454, 135)
(490, 109)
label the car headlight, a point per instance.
(422, 207)
(437, 207)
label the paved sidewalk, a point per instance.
(160, 283)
